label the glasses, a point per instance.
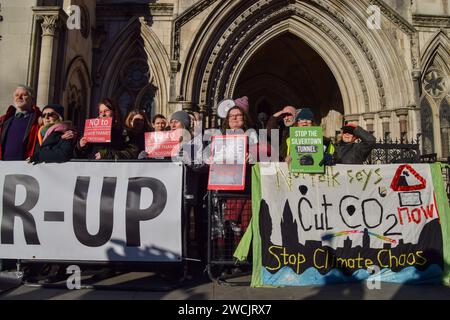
(49, 115)
(236, 116)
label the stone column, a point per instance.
(385, 117)
(369, 118)
(402, 114)
(174, 69)
(50, 24)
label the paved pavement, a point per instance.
(144, 285)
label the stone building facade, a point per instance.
(392, 78)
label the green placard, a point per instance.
(306, 149)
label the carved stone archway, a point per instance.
(77, 90)
(234, 32)
(136, 54)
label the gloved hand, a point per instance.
(143, 155)
(328, 160)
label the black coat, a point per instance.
(355, 153)
(53, 149)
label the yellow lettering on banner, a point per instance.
(276, 257)
(402, 260)
(341, 263)
(392, 259)
(316, 264)
(351, 263)
(413, 262)
(423, 260)
(368, 263)
(295, 260)
(380, 263)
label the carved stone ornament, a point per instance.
(434, 83)
(50, 25)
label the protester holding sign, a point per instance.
(159, 123)
(238, 211)
(305, 118)
(350, 152)
(162, 144)
(136, 125)
(54, 143)
(119, 147)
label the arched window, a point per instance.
(76, 108)
(136, 90)
(444, 115)
(426, 115)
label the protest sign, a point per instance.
(163, 144)
(227, 169)
(306, 149)
(98, 130)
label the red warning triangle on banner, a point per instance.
(395, 183)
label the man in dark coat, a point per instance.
(350, 152)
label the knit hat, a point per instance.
(183, 117)
(243, 103)
(59, 109)
(305, 114)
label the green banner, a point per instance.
(306, 150)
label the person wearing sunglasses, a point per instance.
(55, 138)
(348, 151)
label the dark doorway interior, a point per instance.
(287, 71)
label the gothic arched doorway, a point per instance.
(287, 71)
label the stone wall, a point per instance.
(16, 30)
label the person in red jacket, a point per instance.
(19, 126)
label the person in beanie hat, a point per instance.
(350, 152)
(305, 118)
(180, 120)
(51, 146)
(242, 103)
(59, 109)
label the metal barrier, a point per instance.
(229, 216)
(399, 151)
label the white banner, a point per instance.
(392, 202)
(91, 211)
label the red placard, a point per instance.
(228, 167)
(162, 144)
(98, 130)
